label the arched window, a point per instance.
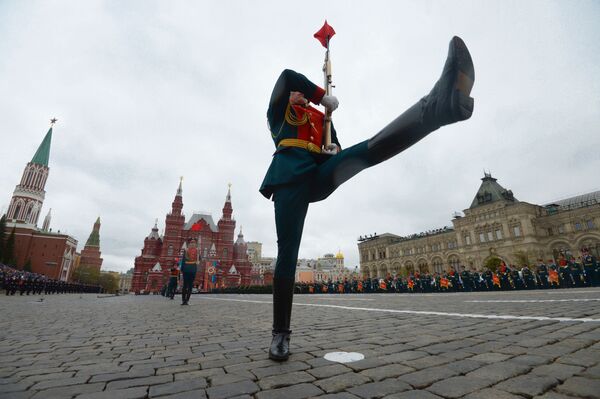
(17, 210)
(170, 250)
(438, 265)
(28, 214)
(561, 249)
(454, 262)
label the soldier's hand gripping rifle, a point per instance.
(324, 35)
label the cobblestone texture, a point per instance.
(148, 347)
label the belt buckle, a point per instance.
(313, 148)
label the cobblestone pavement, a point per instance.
(542, 344)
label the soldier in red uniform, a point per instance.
(304, 171)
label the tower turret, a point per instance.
(47, 219)
(90, 256)
(28, 197)
(174, 223)
(226, 226)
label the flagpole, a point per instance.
(327, 78)
(324, 35)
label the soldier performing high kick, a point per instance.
(305, 168)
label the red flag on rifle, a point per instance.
(325, 34)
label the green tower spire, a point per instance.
(94, 238)
(42, 155)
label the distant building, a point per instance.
(254, 251)
(495, 226)
(222, 261)
(49, 253)
(329, 267)
(125, 282)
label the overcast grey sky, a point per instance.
(147, 91)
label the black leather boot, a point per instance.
(448, 102)
(283, 295)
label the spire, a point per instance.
(177, 205)
(154, 232)
(94, 238)
(47, 219)
(227, 208)
(42, 155)
(240, 239)
(179, 189)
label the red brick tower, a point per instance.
(49, 253)
(90, 256)
(145, 262)
(173, 238)
(28, 197)
(225, 237)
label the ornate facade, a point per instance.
(496, 225)
(223, 261)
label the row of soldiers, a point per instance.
(568, 273)
(13, 281)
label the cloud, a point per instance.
(147, 91)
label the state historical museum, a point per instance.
(223, 262)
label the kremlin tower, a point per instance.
(90, 256)
(49, 253)
(28, 197)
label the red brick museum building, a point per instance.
(223, 261)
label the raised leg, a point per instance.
(448, 102)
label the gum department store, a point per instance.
(496, 225)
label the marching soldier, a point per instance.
(553, 277)
(173, 280)
(517, 283)
(487, 280)
(564, 272)
(308, 165)
(467, 279)
(589, 268)
(576, 271)
(503, 274)
(542, 272)
(528, 278)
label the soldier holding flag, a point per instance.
(308, 164)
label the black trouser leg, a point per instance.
(186, 291)
(291, 206)
(448, 102)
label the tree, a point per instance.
(2, 234)
(493, 263)
(8, 254)
(86, 275)
(522, 258)
(27, 266)
(109, 282)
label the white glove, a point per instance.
(331, 149)
(330, 102)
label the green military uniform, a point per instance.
(300, 174)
